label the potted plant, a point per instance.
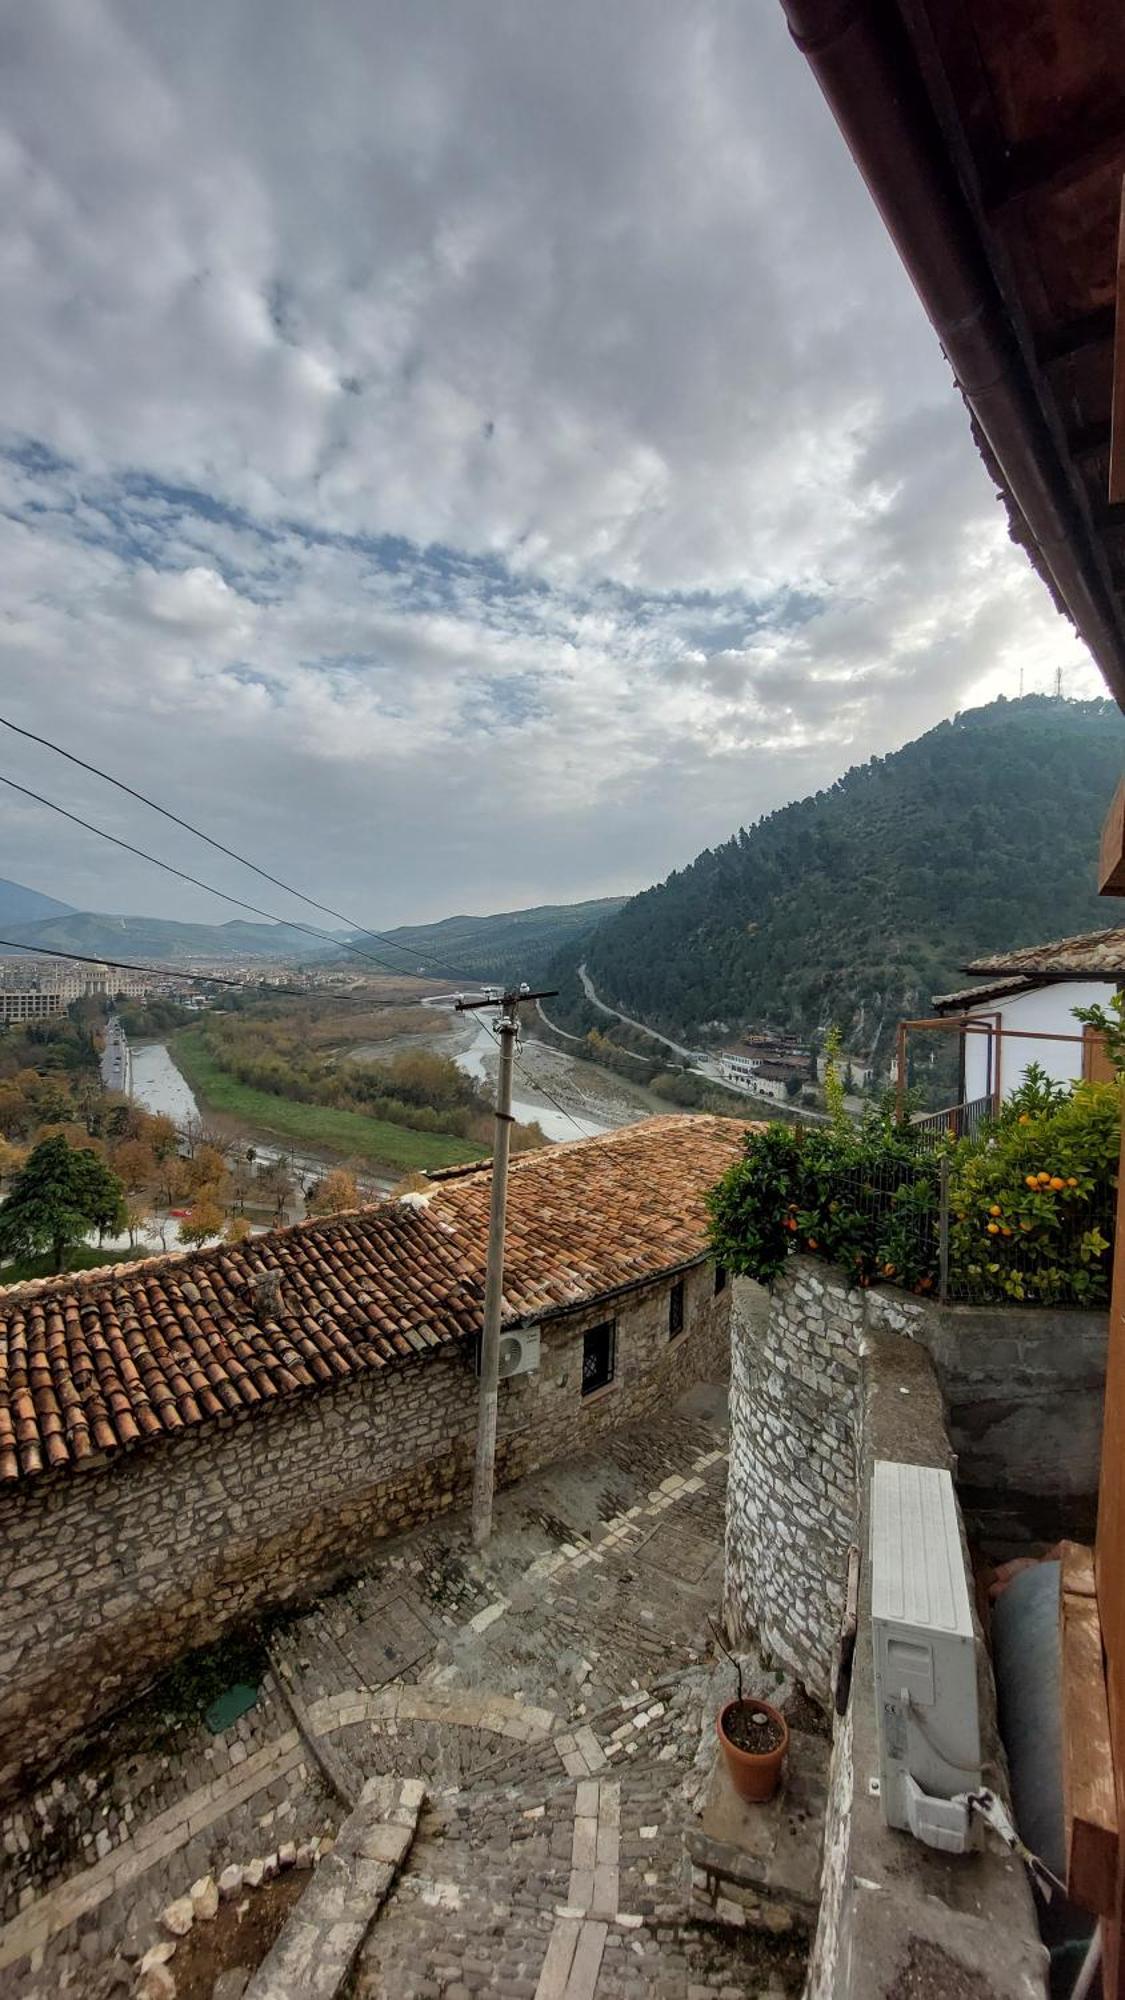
(754, 1737)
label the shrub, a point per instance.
(1026, 1196)
(860, 1196)
(1026, 1203)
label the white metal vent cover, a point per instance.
(925, 1649)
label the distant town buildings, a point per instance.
(773, 1066)
(34, 989)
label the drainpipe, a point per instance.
(894, 139)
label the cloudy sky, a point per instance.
(466, 455)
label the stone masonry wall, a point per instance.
(107, 1575)
(791, 1498)
(1023, 1391)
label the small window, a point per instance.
(598, 1356)
(676, 1309)
(720, 1279)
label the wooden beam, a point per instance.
(1089, 1803)
(1111, 853)
(1051, 165)
(1117, 420)
(1092, 329)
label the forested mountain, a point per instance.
(856, 905)
(515, 944)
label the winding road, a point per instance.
(690, 1056)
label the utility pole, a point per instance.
(484, 1469)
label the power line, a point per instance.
(123, 965)
(457, 972)
(287, 923)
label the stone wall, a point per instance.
(791, 1498)
(106, 1575)
(1023, 1390)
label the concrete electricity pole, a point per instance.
(484, 1469)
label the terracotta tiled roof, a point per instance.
(1092, 955)
(970, 997)
(106, 1359)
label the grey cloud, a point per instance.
(587, 311)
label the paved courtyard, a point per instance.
(555, 1694)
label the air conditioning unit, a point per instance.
(519, 1352)
(925, 1657)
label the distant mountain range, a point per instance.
(855, 906)
(514, 943)
(19, 906)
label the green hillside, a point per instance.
(856, 905)
(516, 944)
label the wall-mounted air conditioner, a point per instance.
(925, 1657)
(519, 1352)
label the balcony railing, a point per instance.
(959, 1121)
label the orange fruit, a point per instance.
(994, 1229)
(1056, 1182)
(1032, 1180)
(812, 1242)
(1044, 1180)
(1071, 1182)
(995, 1209)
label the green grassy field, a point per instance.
(79, 1260)
(346, 1133)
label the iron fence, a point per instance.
(898, 1221)
(958, 1121)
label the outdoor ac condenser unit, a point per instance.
(925, 1657)
(519, 1352)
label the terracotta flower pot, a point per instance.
(753, 1773)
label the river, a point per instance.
(529, 1105)
(158, 1085)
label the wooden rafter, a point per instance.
(1088, 1795)
(1117, 424)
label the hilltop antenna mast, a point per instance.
(1058, 683)
(484, 1470)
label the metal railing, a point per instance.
(899, 1217)
(958, 1121)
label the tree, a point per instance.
(160, 1131)
(135, 1162)
(335, 1193)
(238, 1229)
(59, 1194)
(138, 1217)
(205, 1219)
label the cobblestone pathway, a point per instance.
(559, 1697)
(555, 1693)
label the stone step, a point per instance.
(318, 1945)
